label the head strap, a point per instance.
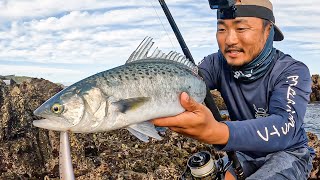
(250, 11)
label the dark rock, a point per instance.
(315, 143)
(315, 95)
(2, 83)
(218, 100)
(27, 152)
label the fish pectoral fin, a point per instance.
(125, 105)
(143, 131)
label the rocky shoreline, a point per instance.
(27, 152)
(315, 95)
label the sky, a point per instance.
(66, 41)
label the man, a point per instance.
(266, 92)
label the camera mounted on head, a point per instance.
(231, 9)
(226, 8)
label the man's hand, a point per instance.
(196, 122)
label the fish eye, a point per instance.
(57, 108)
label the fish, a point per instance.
(128, 96)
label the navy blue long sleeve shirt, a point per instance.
(267, 114)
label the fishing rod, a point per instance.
(208, 99)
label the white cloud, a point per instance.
(89, 32)
(27, 69)
(19, 9)
(77, 19)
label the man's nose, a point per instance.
(232, 38)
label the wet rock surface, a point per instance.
(27, 152)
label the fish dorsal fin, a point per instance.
(141, 53)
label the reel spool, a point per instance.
(202, 166)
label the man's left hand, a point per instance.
(196, 122)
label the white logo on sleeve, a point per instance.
(292, 81)
(260, 112)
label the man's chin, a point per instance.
(234, 63)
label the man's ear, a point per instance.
(270, 26)
(267, 28)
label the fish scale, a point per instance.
(128, 96)
(134, 71)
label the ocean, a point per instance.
(312, 118)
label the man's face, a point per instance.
(242, 39)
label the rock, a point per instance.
(315, 143)
(27, 152)
(315, 95)
(2, 83)
(218, 100)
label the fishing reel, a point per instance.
(201, 166)
(226, 8)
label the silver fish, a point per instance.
(128, 96)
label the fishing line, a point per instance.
(155, 10)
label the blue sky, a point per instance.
(66, 41)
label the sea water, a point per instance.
(312, 118)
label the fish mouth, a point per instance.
(55, 125)
(50, 122)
